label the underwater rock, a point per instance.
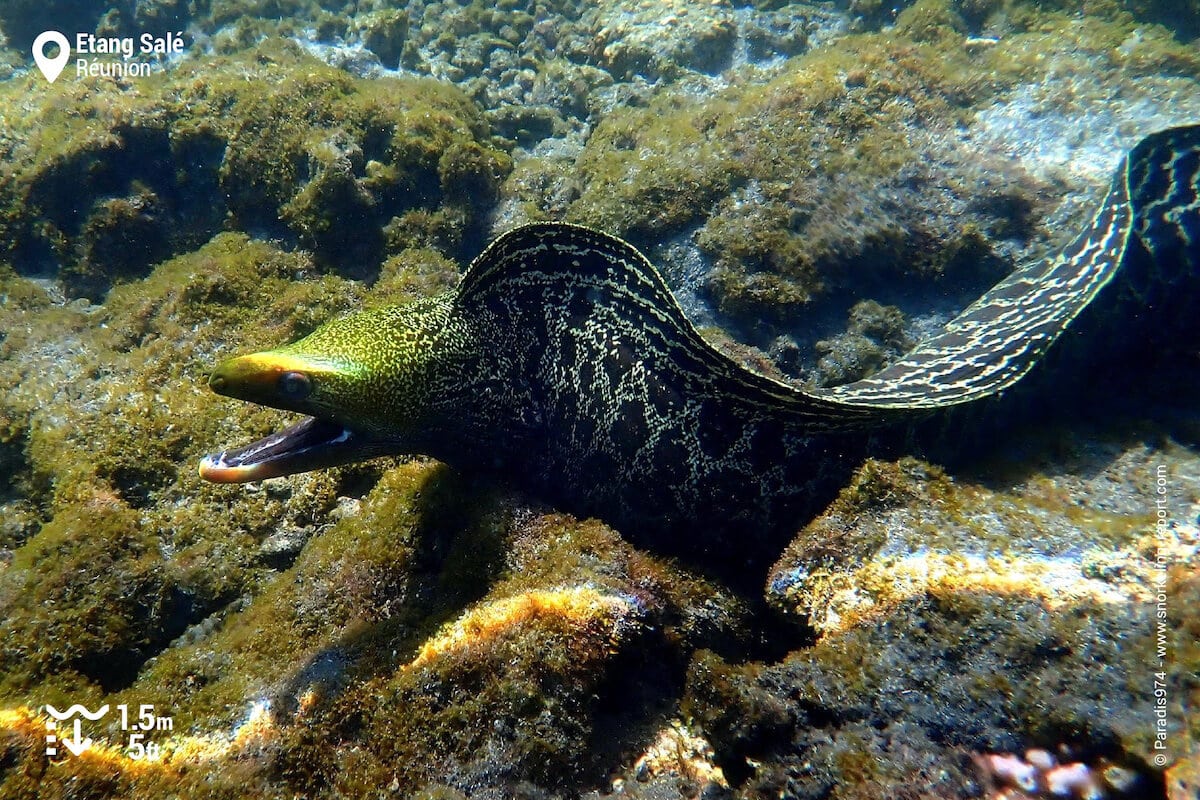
(671, 152)
(103, 456)
(782, 34)
(384, 33)
(952, 614)
(527, 124)
(1039, 774)
(1183, 778)
(301, 150)
(877, 165)
(22, 20)
(677, 763)
(875, 337)
(567, 86)
(532, 685)
(122, 239)
(333, 212)
(657, 39)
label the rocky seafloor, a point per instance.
(823, 184)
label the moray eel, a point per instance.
(562, 364)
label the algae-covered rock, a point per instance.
(122, 239)
(811, 167)
(420, 642)
(961, 617)
(268, 141)
(874, 337)
(542, 683)
(384, 33)
(876, 164)
(21, 20)
(648, 172)
(657, 39)
(105, 417)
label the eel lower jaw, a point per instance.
(312, 443)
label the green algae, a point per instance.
(648, 172)
(741, 719)
(412, 274)
(354, 574)
(940, 17)
(840, 111)
(108, 460)
(788, 182)
(364, 700)
(930, 20)
(874, 337)
(384, 33)
(99, 562)
(270, 139)
(994, 581)
(165, 331)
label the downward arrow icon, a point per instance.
(78, 744)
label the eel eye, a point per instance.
(295, 385)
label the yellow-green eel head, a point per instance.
(367, 383)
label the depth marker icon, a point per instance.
(76, 744)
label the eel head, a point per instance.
(361, 381)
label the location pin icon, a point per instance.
(51, 67)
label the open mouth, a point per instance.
(310, 444)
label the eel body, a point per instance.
(563, 365)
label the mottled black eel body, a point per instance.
(563, 365)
